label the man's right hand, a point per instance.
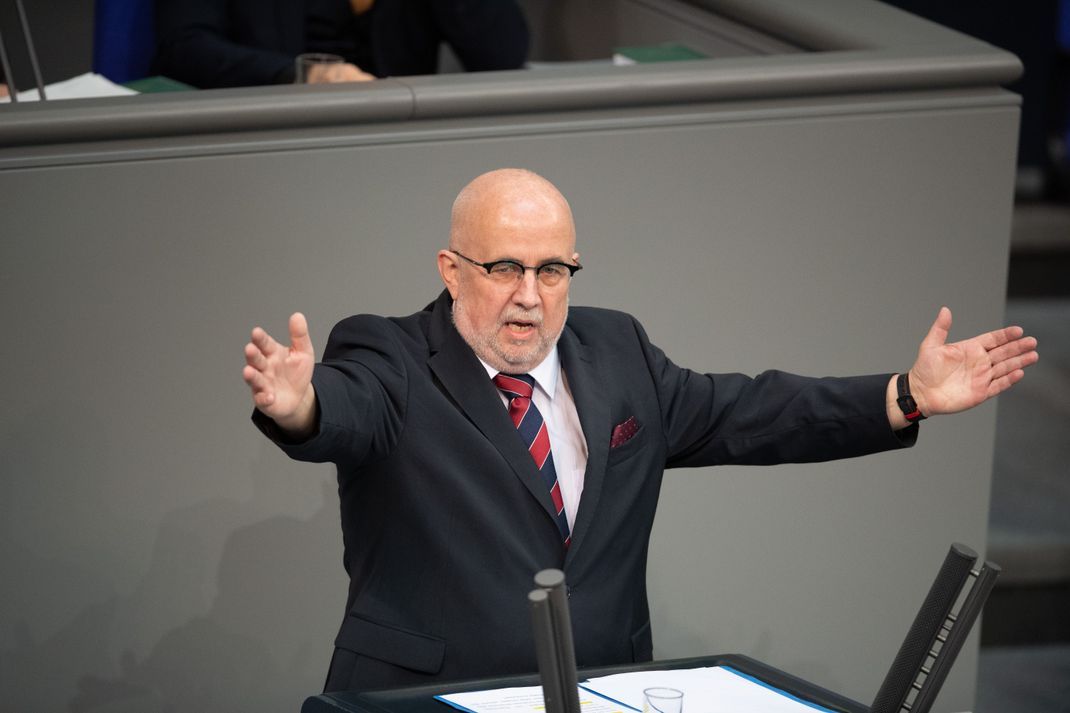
(281, 378)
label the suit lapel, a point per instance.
(463, 377)
(588, 391)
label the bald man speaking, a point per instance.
(500, 431)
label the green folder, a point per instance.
(157, 85)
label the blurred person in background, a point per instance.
(235, 43)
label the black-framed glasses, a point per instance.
(510, 272)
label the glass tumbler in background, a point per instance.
(305, 63)
(663, 700)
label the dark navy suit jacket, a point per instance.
(445, 518)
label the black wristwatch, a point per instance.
(906, 402)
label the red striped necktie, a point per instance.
(532, 428)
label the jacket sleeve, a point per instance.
(361, 396)
(775, 417)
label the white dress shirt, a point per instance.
(554, 400)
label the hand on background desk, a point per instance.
(333, 73)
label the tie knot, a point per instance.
(514, 385)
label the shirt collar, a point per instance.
(545, 374)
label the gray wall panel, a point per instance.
(173, 558)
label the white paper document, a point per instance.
(83, 86)
(523, 700)
(714, 689)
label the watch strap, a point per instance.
(906, 401)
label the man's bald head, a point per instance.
(506, 197)
(509, 216)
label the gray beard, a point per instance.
(487, 347)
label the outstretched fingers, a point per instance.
(263, 394)
(1009, 359)
(254, 357)
(264, 342)
(998, 337)
(253, 378)
(1014, 363)
(1024, 346)
(998, 386)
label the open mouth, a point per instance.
(520, 327)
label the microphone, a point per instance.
(31, 53)
(554, 647)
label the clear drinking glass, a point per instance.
(306, 62)
(663, 700)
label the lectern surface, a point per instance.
(420, 699)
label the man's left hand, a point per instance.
(947, 378)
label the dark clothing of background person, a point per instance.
(234, 43)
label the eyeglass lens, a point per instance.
(508, 271)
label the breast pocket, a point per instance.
(629, 448)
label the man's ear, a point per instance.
(449, 270)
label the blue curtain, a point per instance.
(123, 39)
(1064, 25)
(1064, 46)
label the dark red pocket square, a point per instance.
(623, 432)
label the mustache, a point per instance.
(520, 315)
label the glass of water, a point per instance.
(663, 700)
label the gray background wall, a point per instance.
(167, 558)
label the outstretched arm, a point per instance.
(281, 378)
(947, 378)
